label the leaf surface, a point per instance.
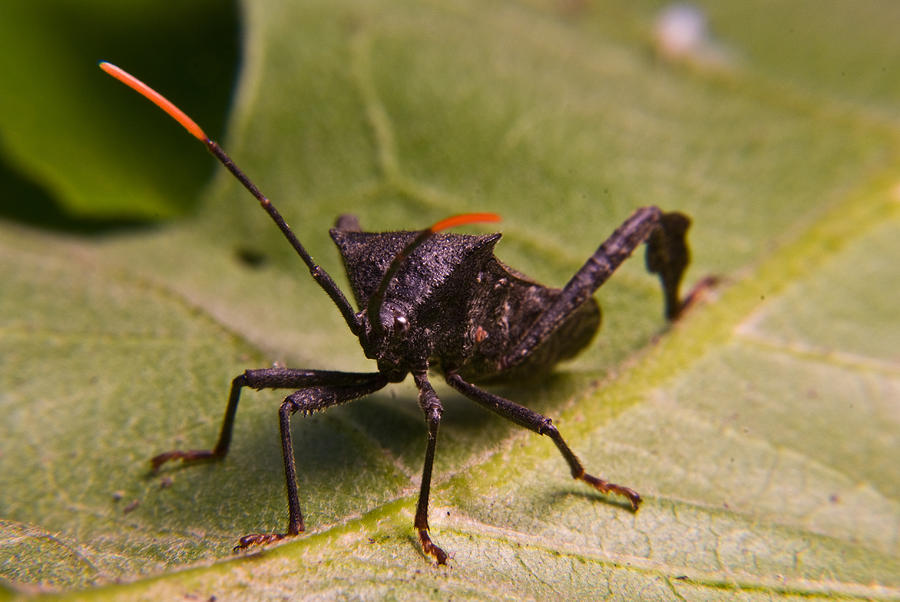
(762, 429)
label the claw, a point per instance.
(258, 539)
(606, 487)
(430, 549)
(185, 456)
(697, 293)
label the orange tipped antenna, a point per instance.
(461, 219)
(320, 276)
(156, 98)
(375, 301)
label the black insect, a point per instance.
(444, 303)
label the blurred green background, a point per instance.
(64, 124)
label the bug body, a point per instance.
(453, 306)
(430, 301)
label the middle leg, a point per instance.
(542, 426)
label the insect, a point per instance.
(444, 303)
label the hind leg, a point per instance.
(667, 256)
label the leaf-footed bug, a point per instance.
(441, 302)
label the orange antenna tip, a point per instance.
(156, 98)
(464, 218)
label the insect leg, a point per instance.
(667, 256)
(344, 388)
(542, 426)
(432, 408)
(266, 378)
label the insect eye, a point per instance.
(401, 323)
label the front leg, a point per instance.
(667, 256)
(321, 390)
(266, 378)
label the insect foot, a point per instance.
(259, 539)
(606, 487)
(185, 456)
(430, 549)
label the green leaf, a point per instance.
(62, 120)
(761, 429)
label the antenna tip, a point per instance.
(465, 218)
(156, 98)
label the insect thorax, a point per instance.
(453, 305)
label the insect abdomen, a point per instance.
(499, 320)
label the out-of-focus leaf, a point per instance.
(64, 126)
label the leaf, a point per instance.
(761, 429)
(61, 118)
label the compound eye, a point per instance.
(393, 319)
(401, 323)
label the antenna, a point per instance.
(319, 274)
